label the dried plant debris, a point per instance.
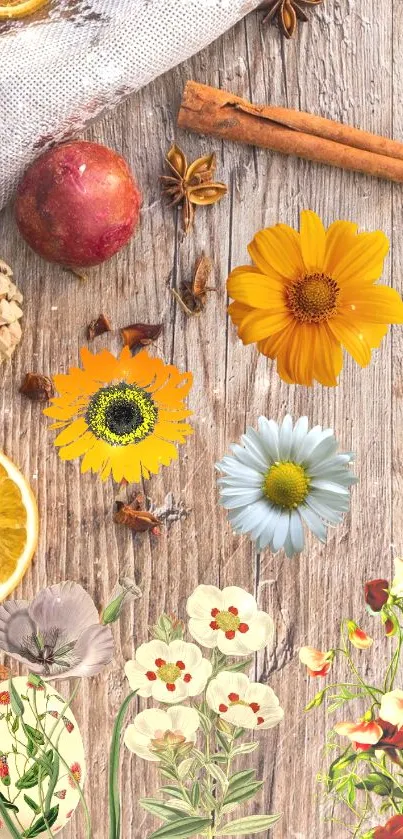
(10, 313)
(98, 326)
(37, 387)
(170, 511)
(288, 12)
(140, 334)
(191, 184)
(137, 519)
(192, 294)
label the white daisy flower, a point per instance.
(243, 703)
(155, 729)
(282, 478)
(228, 619)
(168, 672)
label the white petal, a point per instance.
(203, 600)
(232, 467)
(326, 448)
(147, 653)
(246, 457)
(296, 531)
(254, 443)
(138, 744)
(151, 720)
(268, 430)
(241, 600)
(329, 486)
(288, 547)
(187, 652)
(200, 677)
(231, 498)
(309, 442)
(261, 632)
(224, 684)
(137, 678)
(267, 534)
(241, 716)
(160, 692)
(183, 719)
(256, 480)
(271, 718)
(280, 531)
(285, 438)
(323, 510)
(298, 435)
(232, 646)
(314, 523)
(240, 519)
(202, 633)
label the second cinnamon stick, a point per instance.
(208, 110)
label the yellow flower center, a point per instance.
(169, 673)
(227, 621)
(286, 484)
(313, 298)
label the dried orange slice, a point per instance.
(10, 9)
(18, 526)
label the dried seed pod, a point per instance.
(37, 387)
(141, 521)
(192, 295)
(177, 160)
(208, 193)
(141, 334)
(98, 326)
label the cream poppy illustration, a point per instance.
(168, 672)
(228, 619)
(155, 730)
(244, 703)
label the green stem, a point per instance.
(114, 759)
(43, 807)
(65, 764)
(14, 833)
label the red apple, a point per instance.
(78, 204)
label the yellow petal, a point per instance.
(353, 339)
(363, 261)
(340, 238)
(259, 323)
(72, 432)
(328, 357)
(376, 304)
(272, 346)
(95, 457)
(155, 453)
(173, 431)
(237, 312)
(277, 252)
(77, 448)
(255, 289)
(299, 354)
(313, 238)
(102, 366)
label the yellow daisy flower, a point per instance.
(311, 293)
(123, 415)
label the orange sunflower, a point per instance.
(123, 415)
(311, 293)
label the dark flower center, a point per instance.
(313, 298)
(122, 414)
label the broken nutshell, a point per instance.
(192, 294)
(191, 184)
(98, 326)
(141, 334)
(37, 387)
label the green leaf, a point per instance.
(184, 767)
(54, 777)
(218, 775)
(33, 734)
(160, 809)
(114, 762)
(16, 724)
(376, 782)
(32, 748)
(195, 794)
(28, 779)
(182, 828)
(40, 825)
(219, 757)
(238, 666)
(173, 792)
(17, 705)
(248, 824)
(7, 804)
(243, 793)
(223, 741)
(32, 804)
(240, 778)
(245, 749)
(338, 766)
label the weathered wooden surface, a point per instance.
(346, 64)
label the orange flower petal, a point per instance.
(103, 367)
(353, 339)
(277, 252)
(255, 290)
(340, 238)
(173, 431)
(78, 447)
(259, 323)
(73, 431)
(376, 304)
(313, 238)
(328, 357)
(363, 262)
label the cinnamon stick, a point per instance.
(207, 110)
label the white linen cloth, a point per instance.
(62, 67)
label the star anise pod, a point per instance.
(192, 294)
(288, 13)
(192, 184)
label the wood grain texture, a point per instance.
(347, 65)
